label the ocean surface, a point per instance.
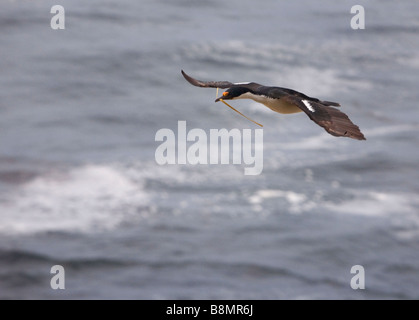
(80, 186)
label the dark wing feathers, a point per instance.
(331, 119)
(218, 84)
(207, 84)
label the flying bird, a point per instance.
(287, 101)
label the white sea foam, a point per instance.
(372, 203)
(298, 202)
(400, 209)
(87, 198)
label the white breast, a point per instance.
(276, 105)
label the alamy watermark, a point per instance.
(358, 280)
(58, 20)
(58, 280)
(222, 147)
(358, 20)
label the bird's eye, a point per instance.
(225, 94)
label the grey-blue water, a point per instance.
(80, 186)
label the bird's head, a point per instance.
(233, 93)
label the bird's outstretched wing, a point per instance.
(218, 84)
(207, 84)
(331, 119)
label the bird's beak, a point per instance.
(224, 96)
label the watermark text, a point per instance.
(220, 146)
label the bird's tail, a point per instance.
(330, 103)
